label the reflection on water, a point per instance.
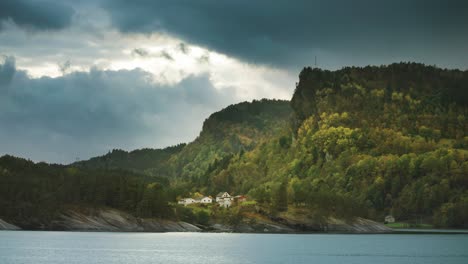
(86, 247)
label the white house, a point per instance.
(203, 200)
(223, 196)
(224, 199)
(389, 219)
(206, 200)
(187, 201)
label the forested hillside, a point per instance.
(149, 161)
(32, 195)
(232, 131)
(354, 142)
(367, 141)
(141, 182)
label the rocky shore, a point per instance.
(111, 220)
(114, 220)
(7, 226)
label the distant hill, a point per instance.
(153, 161)
(236, 128)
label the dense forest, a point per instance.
(362, 142)
(32, 193)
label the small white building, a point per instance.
(187, 201)
(389, 219)
(203, 200)
(223, 196)
(206, 200)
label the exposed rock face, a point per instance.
(115, 220)
(358, 225)
(7, 226)
(112, 220)
(281, 225)
(263, 227)
(158, 225)
(333, 225)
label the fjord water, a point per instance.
(87, 247)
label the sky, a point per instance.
(79, 78)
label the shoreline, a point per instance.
(112, 220)
(393, 232)
(430, 231)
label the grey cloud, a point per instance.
(7, 70)
(205, 58)
(64, 67)
(183, 47)
(145, 53)
(166, 55)
(288, 33)
(83, 114)
(36, 14)
(140, 52)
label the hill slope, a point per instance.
(234, 129)
(137, 182)
(368, 141)
(150, 161)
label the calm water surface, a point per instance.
(83, 247)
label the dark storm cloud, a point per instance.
(7, 70)
(286, 33)
(83, 114)
(36, 14)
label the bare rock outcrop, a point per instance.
(7, 226)
(334, 225)
(357, 225)
(115, 220)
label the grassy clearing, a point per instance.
(398, 225)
